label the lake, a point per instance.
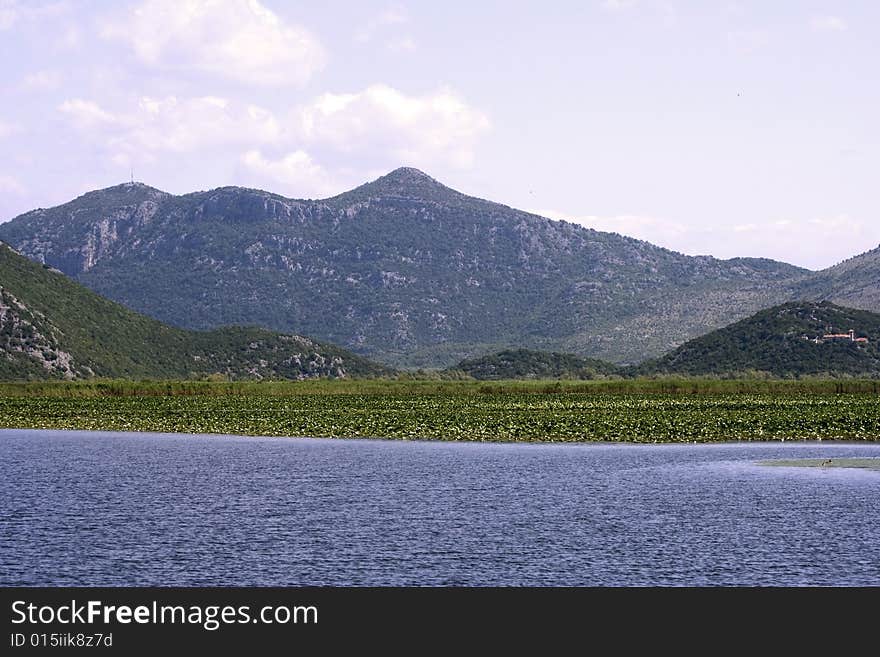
(87, 508)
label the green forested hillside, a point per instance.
(528, 364)
(52, 327)
(783, 341)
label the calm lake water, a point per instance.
(84, 508)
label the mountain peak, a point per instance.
(404, 182)
(133, 186)
(126, 190)
(409, 175)
(407, 181)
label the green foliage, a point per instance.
(527, 364)
(778, 342)
(405, 385)
(471, 413)
(54, 317)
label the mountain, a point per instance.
(786, 340)
(854, 282)
(53, 327)
(527, 364)
(403, 269)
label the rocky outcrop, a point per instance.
(31, 335)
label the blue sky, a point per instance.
(727, 128)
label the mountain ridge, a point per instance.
(852, 282)
(402, 268)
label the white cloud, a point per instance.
(747, 42)
(296, 172)
(403, 44)
(657, 12)
(381, 26)
(7, 129)
(174, 125)
(376, 128)
(185, 125)
(394, 16)
(87, 114)
(821, 242)
(618, 5)
(9, 13)
(652, 229)
(45, 80)
(11, 185)
(15, 11)
(238, 39)
(828, 24)
(437, 127)
(837, 222)
(71, 39)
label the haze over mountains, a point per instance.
(408, 271)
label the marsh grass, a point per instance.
(413, 385)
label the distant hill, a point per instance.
(402, 269)
(52, 327)
(785, 341)
(527, 364)
(854, 283)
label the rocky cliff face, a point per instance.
(90, 227)
(403, 268)
(28, 340)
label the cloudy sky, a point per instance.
(728, 128)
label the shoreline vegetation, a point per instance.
(634, 410)
(436, 384)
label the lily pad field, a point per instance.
(455, 410)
